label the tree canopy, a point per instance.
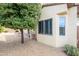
(19, 15)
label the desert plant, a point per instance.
(71, 50)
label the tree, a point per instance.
(19, 16)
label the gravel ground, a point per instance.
(29, 48)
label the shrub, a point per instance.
(71, 51)
(2, 29)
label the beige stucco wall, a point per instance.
(72, 20)
(55, 40)
(71, 29)
(61, 40)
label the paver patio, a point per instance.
(29, 48)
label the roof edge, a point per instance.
(52, 4)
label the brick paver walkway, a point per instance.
(13, 47)
(29, 48)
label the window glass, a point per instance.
(40, 27)
(45, 27)
(62, 25)
(50, 25)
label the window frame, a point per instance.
(62, 25)
(44, 26)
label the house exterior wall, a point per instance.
(72, 26)
(55, 40)
(61, 40)
(71, 29)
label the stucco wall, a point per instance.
(56, 40)
(61, 40)
(50, 12)
(72, 35)
(71, 29)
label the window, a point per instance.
(62, 25)
(41, 27)
(45, 27)
(50, 26)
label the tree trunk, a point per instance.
(28, 33)
(22, 36)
